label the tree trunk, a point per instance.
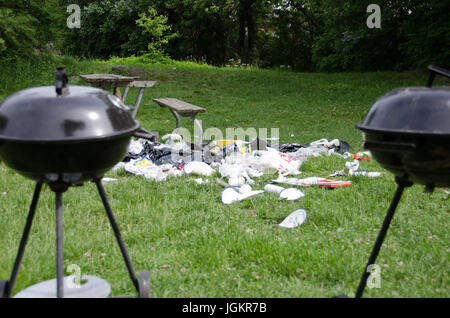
(241, 36)
(251, 54)
(247, 18)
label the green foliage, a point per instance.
(426, 34)
(156, 27)
(2, 45)
(413, 34)
(107, 29)
(114, 28)
(207, 28)
(38, 71)
(27, 27)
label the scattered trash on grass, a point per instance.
(239, 161)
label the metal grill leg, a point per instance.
(113, 222)
(384, 228)
(23, 241)
(59, 247)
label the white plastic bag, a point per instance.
(198, 168)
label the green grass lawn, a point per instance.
(195, 246)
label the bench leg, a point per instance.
(138, 101)
(125, 93)
(177, 119)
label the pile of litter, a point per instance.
(239, 162)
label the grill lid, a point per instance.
(81, 113)
(414, 110)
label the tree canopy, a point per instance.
(306, 35)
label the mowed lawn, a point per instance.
(195, 246)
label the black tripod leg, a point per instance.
(113, 222)
(59, 247)
(23, 241)
(380, 238)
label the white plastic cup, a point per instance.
(272, 188)
(291, 194)
(294, 219)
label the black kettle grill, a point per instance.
(408, 133)
(73, 134)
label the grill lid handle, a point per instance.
(61, 82)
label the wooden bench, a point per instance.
(178, 107)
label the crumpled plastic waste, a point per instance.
(145, 167)
(218, 150)
(352, 165)
(294, 219)
(271, 161)
(236, 174)
(365, 173)
(318, 147)
(351, 168)
(362, 156)
(135, 146)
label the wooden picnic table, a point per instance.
(108, 81)
(116, 82)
